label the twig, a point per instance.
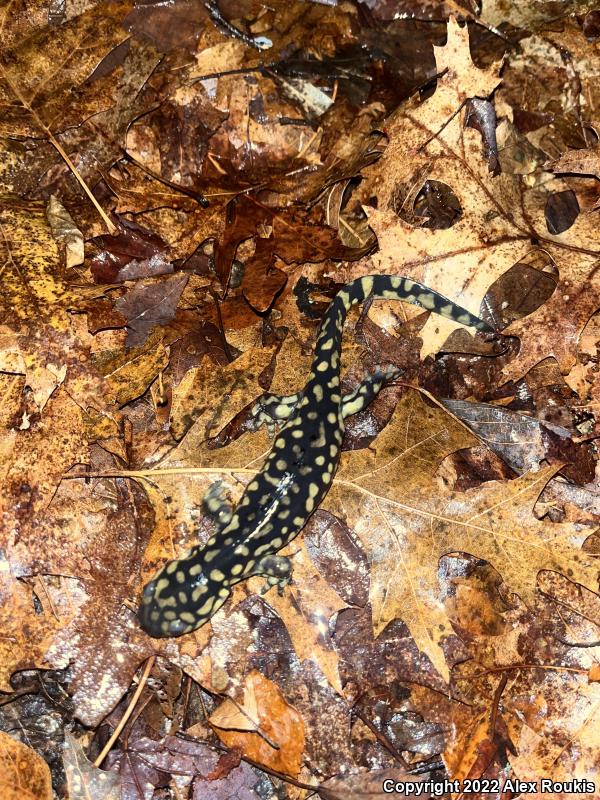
(56, 144)
(136, 695)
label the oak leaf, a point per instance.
(406, 522)
(497, 219)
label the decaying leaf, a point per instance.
(24, 775)
(270, 731)
(150, 304)
(83, 778)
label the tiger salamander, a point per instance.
(295, 477)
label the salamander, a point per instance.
(296, 475)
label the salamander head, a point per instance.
(180, 598)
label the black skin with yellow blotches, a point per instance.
(295, 477)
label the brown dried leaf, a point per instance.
(406, 523)
(24, 775)
(498, 218)
(41, 71)
(129, 373)
(150, 303)
(38, 337)
(279, 742)
(306, 611)
(207, 399)
(67, 234)
(549, 711)
(581, 162)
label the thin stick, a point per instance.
(15, 89)
(109, 224)
(157, 473)
(136, 696)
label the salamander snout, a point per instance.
(152, 610)
(180, 598)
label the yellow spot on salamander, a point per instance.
(353, 406)
(198, 592)
(205, 609)
(426, 300)
(367, 284)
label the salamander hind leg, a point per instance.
(271, 409)
(276, 569)
(216, 504)
(355, 401)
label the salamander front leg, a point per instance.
(216, 504)
(271, 409)
(360, 398)
(276, 569)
